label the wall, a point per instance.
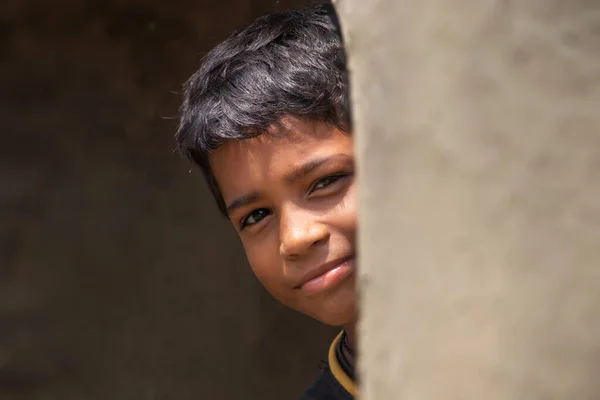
(118, 280)
(479, 159)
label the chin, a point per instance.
(337, 309)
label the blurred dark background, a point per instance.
(118, 279)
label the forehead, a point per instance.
(243, 166)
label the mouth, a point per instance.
(327, 275)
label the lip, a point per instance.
(326, 275)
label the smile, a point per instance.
(327, 276)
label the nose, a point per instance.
(299, 233)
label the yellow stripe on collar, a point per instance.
(338, 371)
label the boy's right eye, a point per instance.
(255, 217)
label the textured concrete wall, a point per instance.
(117, 278)
(478, 135)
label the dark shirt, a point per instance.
(333, 383)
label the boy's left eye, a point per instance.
(327, 181)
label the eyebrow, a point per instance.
(294, 176)
(305, 169)
(242, 201)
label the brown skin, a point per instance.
(293, 221)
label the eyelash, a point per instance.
(245, 223)
(330, 180)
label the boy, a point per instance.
(266, 118)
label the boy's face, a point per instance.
(292, 199)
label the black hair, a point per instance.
(283, 64)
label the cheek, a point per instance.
(266, 264)
(348, 214)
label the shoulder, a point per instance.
(326, 387)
